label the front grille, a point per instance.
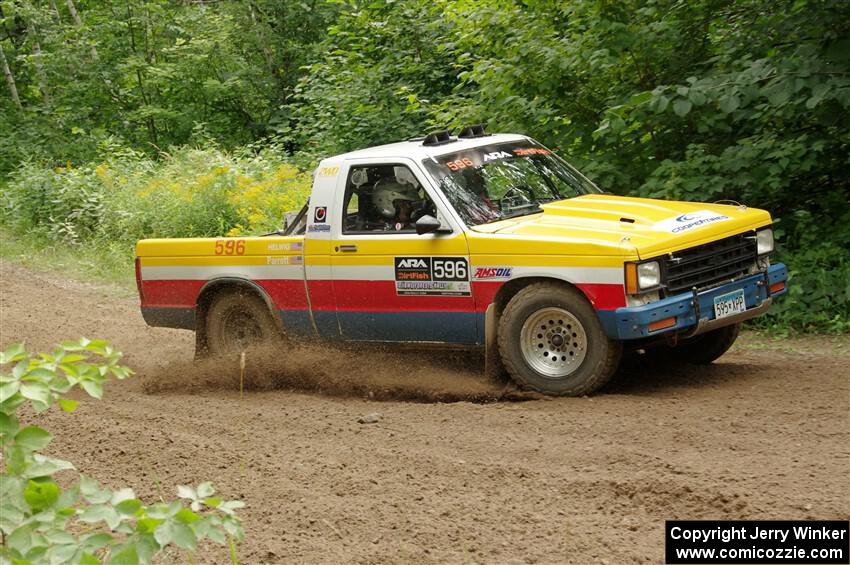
(710, 264)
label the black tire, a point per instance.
(706, 348)
(576, 367)
(237, 320)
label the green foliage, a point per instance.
(153, 72)
(192, 193)
(700, 100)
(40, 522)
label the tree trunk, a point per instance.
(39, 64)
(55, 10)
(79, 23)
(10, 80)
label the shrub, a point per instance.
(192, 193)
(86, 523)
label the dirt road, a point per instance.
(763, 433)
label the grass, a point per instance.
(108, 264)
(785, 342)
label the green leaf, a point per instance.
(681, 107)
(10, 517)
(62, 553)
(164, 533)
(8, 425)
(186, 516)
(41, 496)
(41, 374)
(89, 559)
(124, 555)
(15, 352)
(121, 495)
(696, 97)
(36, 391)
(21, 539)
(92, 542)
(729, 103)
(7, 390)
(44, 466)
(68, 497)
(216, 535)
(183, 536)
(101, 513)
(205, 490)
(94, 388)
(640, 98)
(33, 438)
(819, 91)
(231, 505)
(68, 405)
(128, 507)
(184, 491)
(147, 525)
(92, 492)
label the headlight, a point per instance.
(648, 275)
(764, 238)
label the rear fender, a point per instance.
(220, 285)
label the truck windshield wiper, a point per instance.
(527, 210)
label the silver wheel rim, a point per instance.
(553, 342)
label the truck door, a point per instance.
(391, 284)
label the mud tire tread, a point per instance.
(602, 360)
(249, 303)
(707, 348)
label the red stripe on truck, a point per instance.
(364, 296)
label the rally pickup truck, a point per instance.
(476, 240)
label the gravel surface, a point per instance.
(450, 468)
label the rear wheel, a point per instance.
(706, 348)
(551, 341)
(236, 321)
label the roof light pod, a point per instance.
(469, 132)
(438, 138)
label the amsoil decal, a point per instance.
(321, 214)
(484, 273)
(442, 276)
(690, 220)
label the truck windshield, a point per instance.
(494, 182)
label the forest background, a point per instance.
(162, 118)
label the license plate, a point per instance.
(729, 304)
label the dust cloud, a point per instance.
(363, 371)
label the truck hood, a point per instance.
(652, 227)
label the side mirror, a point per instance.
(427, 224)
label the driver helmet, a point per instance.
(386, 194)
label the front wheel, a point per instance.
(551, 341)
(236, 321)
(705, 348)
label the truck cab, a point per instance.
(479, 240)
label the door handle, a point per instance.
(348, 248)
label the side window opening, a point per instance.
(383, 198)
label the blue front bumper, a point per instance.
(690, 310)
